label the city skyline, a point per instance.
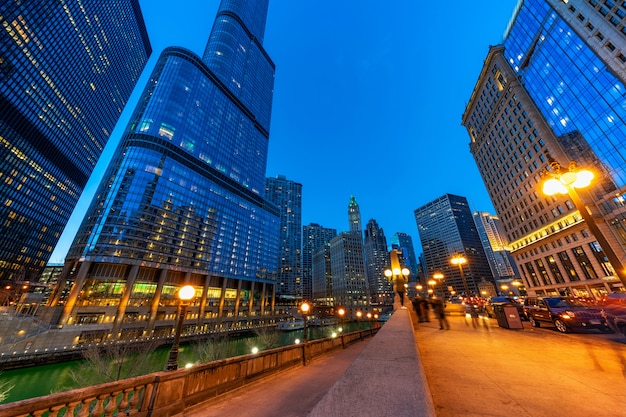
(333, 136)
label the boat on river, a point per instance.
(287, 326)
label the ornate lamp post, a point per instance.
(304, 308)
(185, 294)
(566, 183)
(460, 260)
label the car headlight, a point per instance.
(568, 315)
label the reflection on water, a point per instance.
(46, 379)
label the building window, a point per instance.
(569, 267)
(584, 263)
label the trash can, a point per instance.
(507, 316)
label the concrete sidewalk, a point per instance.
(386, 379)
(291, 393)
(494, 371)
(470, 371)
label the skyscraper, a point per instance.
(182, 201)
(447, 229)
(314, 237)
(554, 92)
(348, 271)
(66, 72)
(287, 196)
(496, 248)
(376, 261)
(404, 242)
(354, 217)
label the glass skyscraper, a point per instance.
(287, 196)
(446, 228)
(554, 91)
(314, 238)
(182, 201)
(66, 71)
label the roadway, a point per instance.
(470, 371)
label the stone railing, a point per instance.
(165, 394)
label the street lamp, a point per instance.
(439, 277)
(185, 294)
(567, 183)
(460, 260)
(419, 288)
(505, 288)
(341, 312)
(304, 308)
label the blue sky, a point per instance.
(368, 100)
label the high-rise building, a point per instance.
(446, 228)
(354, 217)
(376, 262)
(287, 196)
(322, 277)
(404, 242)
(66, 71)
(554, 92)
(182, 201)
(314, 237)
(496, 248)
(348, 272)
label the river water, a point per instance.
(46, 379)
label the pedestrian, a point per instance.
(439, 308)
(416, 308)
(419, 305)
(400, 289)
(424, 309)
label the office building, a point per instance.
(404, 243)
(496, 248)
(66, 71)
(446, 228)
(376, 262)
(287, 196)
(322, 277)
(182, 202)
(315, 237)
(349, 284)
(553, 91)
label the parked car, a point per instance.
(564, 313)
(614, 311)
(455, 307)
(493, 301)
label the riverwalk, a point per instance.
(467, 371)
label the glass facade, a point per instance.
(182, 201)
(66, 72)
(287, 196)
(552, 92)
(314, 238)
(446, 228)
(561, 56)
